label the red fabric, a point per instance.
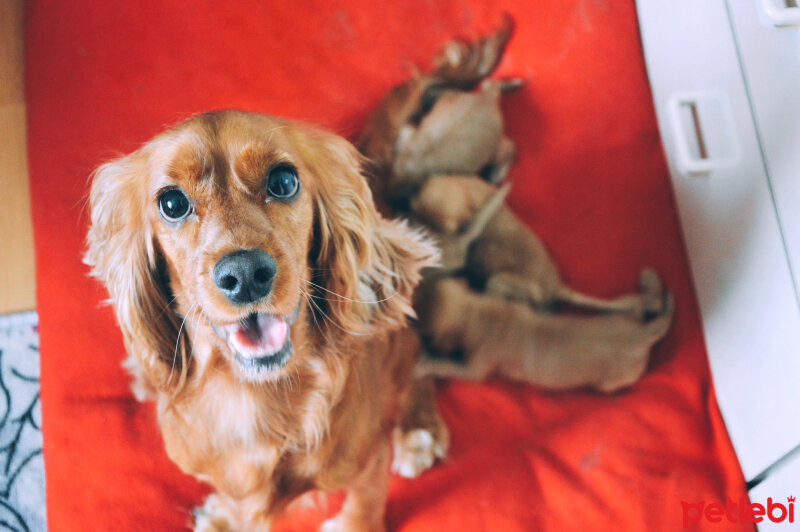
(102, 77)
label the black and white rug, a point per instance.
(22, 502)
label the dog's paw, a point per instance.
(342, 523)
(415, 451)
(507, 287)
(210, 517)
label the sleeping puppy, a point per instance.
(461, 134)
(434, 123)
(497, 252)
(263, 304)
(456, 222)
(495, 336)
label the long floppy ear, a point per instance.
(366, 267)
(123, 255)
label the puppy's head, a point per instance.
(446, 203)
(258, 229)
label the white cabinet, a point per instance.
(770, 59)
(727, 138)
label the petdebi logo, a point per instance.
(740, 512)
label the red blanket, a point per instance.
(591, 180)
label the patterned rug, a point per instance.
(22, 506)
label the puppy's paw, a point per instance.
(210, 517)
(415, 451)
(506, 287)
(653, 294)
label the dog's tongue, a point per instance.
(260, 334)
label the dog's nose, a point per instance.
(245, 276)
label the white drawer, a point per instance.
(739, 264)
(770, 57)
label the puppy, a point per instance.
(555, 352)
(455, 222)
(433, 123)
(497, 252)
(263, 303)
(461, 134)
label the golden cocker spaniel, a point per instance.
(263, 304)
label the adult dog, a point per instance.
(263, 303)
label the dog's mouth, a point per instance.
(260, 342)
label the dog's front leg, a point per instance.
(364, 504)
(421, 435)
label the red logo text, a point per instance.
(738, 512)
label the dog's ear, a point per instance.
(123, 254)
(365, 267)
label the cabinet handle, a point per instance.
(704, 132)
(787, 15)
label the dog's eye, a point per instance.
(282, 182)
(174, 205)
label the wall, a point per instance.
(17, 291)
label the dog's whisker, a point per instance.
(177, 343)
(313, 304)
(374, 302)
(310, 299)
(198, 316)
(168, 305)
(272, 132)
(190, 354)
